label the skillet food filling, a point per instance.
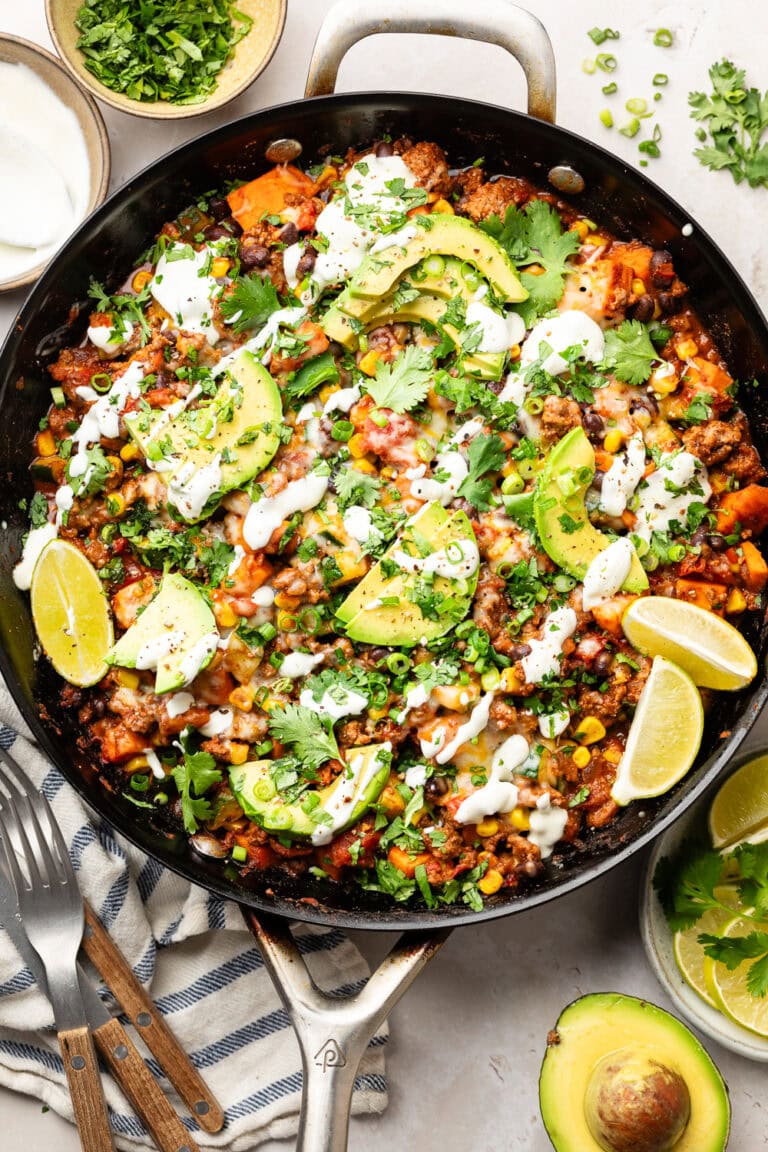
(371, 461)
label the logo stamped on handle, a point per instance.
(330, 1055)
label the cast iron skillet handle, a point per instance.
(334, 1033)
(493, 21)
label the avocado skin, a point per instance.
(261, 405)
(596, 1025)
(177, 606)
(445, 235)
(573, 551)
(283, 819)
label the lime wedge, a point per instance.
(730, 988)
(711, 651)
(665, 734)
(689, 954)
(740, 809)
(71, 613)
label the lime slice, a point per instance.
(740, 809)
(694, 965)
(71, 613)
(711, 651)
(730, 988)
(665, 734)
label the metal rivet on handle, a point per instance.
(566, 179)
(78, 1063)
(185, 1148)
(88, 933)
(201, 1107)
(120, 1052)
(143, 1019)
(283, 151)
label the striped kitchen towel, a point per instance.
(191, 951)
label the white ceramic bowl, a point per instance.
(657, 939)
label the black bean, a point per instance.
(699, 537)
(646, 401)
(495, 386)
(219, 208)
(717, 543)
(253, 256)
(216, 232)
(662, 271)
(669, 303)
(642, 309)
(98, 707)
(306, 262)
(288, 234)
(435, 787)
(384, 148)
(602, 662)
(593, 423)
(517, 651)
(597, 480)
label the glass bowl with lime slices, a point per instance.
(704, 910)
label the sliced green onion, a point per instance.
(600, 35)
(379, 418)
(606, 118)
(677, 552)
(58, 397)
(657, 95)
(309, 620)
(101, 382)
(660, 79)
(512, 484)
(534, 405)
(663, 38)
(398, 663)
(606, 62)
(630, 129)
(239, 854)
(589, 67)
(609, 89)
(434, 265)
(267, 632)
(701, 134)
(490, 679)
(649, 148)
(161, 798)
(342, 430)
(563, 583)
(637, 106)
(139, 782)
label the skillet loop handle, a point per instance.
(333, 1032)
(492, 21)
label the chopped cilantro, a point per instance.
(486, 454)
(251, 303)
(629, 352)
(405, 382)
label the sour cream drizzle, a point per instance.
(337, 704)
(623, 476)
(499, 794)
(347, 793)
(659, 506)
(544, 657)
(268, 513)
(547, 825)
(184, 290)
(607, 572)
(458, 559)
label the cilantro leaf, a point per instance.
(313, 744)
(405, 382)
(734, 950)
(736, 117)
(486, 454)
(251, 303)
(38, 510)
(93, 477)
(320, 370)
(699, 410)
(353, 487)
(196, 773)
(753, 886)
(432, 675)
(127, 306)
(629, 352)
(686, 883)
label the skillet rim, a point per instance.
(395, 918)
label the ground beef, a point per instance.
(604, 705)
(494, 197)
(490, 607)
(304, 579)
(559, 416)
(429, 166)
(74, 369)
(713, 442)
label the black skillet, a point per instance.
(333, 1035)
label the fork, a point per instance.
(51, 908)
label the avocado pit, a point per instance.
(634, 1103)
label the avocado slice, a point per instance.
(567, 535)
(605, 1038)
(176, 634)
(439, 235)
(428, 277)
(345, 800)
(402, 623)
(240, 423)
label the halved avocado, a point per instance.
(620, 1073)
(240, 423)
(567, 535)
(403, 624)
(181, 614)
(255, 792)
(439, 235)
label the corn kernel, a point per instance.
(613, 755)
(378, 713)
(225, 617)
(581, 228)
(589, 731)
(238, 753)
(116, 504)
(642, 418)
(685, 349)
(443, 206)
(735, 602)
(535, 270)
(514, 352)
(46, 444)
(219, 267)
(598, 240)
(487, 828)
(289, 603)
(369, 361)
(613, 440)
(141, 279)
(582, 757)
(663, 383)
(638, 286)
(520, 819)
(510, 681)
(129, 452)
(242, 698)
(286, 621)
(456, 697)
(391, 802)
(388, 473)
(353, 566)
(491, 882)
(327, 391)
(364, 465)
(136, 764)
(126, 678)
(356, 445)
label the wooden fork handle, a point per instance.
(102, 951)
(127, 1066)
(90, 1107)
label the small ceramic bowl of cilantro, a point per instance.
(704, 923)
(166, 59)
